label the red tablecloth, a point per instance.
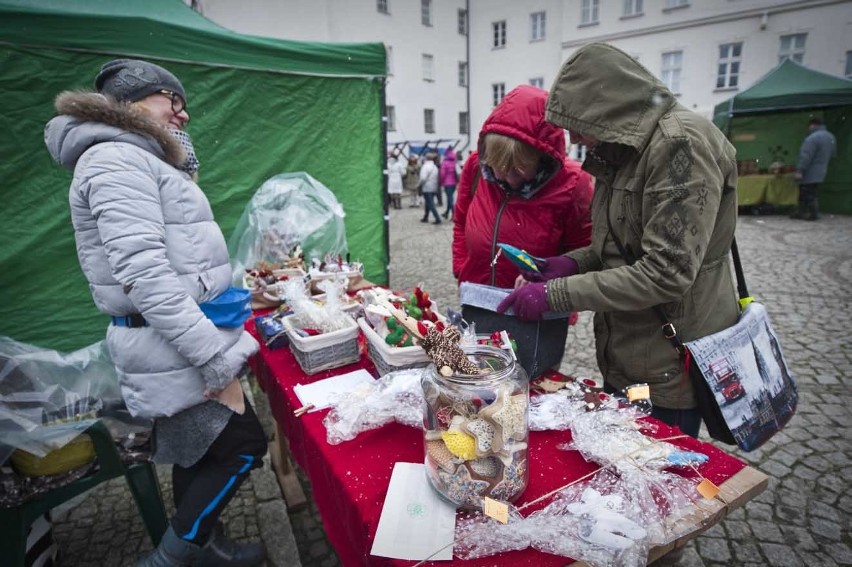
(350, 480)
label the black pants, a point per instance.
(203, 490)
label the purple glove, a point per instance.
(528, 302)
(552, 268)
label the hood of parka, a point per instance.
(89, 118)
(603, 92)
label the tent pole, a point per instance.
(383, 164)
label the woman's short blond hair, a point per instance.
(503, 153)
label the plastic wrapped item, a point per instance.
(612, 438)
(478, 535)
(395, 397)
(47, 398)
(287, 211)
(600, 521)
(308, 314)
(555, 411)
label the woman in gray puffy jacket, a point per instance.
(152, 253)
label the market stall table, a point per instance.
(350, 480)
(780, 190)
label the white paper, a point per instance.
(415, 521)
(321, 393)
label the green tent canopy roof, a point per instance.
(171, 31)
(789, 86)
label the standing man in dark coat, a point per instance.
(817, 150)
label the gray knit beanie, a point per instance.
(131, 80)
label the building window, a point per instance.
(537, 82)
(426, 12)
(670, 4)
(463, 127)
(391, 112)
(589, 12)
(462, 73)
(428, 67)
(728, 75)
(632, 8)
(537, 26)
(498, 91)
(499, 29)
(389, 60)
(849, 64)
(429, 120)
(672, 63)
(462, 22)
(793, 47)
(382, 6)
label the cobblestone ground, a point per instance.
(801, 270)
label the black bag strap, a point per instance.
(668, 328)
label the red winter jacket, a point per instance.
(553, 221)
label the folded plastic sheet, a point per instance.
(47, 397)
(397, 396)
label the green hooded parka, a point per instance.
(666, 187)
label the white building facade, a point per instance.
(451, 61)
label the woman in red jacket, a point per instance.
(519, 188)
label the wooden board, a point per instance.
(291, 488)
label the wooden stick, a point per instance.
(303, 410)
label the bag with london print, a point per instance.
(745, 373)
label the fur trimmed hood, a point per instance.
(89, 118)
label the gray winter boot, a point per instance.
(172, 552)
(223, 552)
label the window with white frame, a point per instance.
(463, 123)
(848, 73)
(429, 120)
(728, 69)
(538, 28)
(382, 6)
(389, 59)
(676, 4)
(632, 8)
(428, 67)
(391, 113)
(537, 82)
(589, 11)
(462, 73)
(498, 91)
(426, 12)
(499, 29)
(670, 75)
(793, 47)
(462, 22)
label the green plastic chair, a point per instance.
(141, 477)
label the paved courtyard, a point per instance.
(801, 270)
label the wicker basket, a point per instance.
(388, 358)
(326, 351)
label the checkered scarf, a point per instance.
(191, 164)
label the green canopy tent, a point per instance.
(259, 107)
(768, 121)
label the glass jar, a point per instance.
(476, 429)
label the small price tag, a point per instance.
(707, 489)
(496, 509)
(638, 393)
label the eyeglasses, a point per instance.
(178, 104)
